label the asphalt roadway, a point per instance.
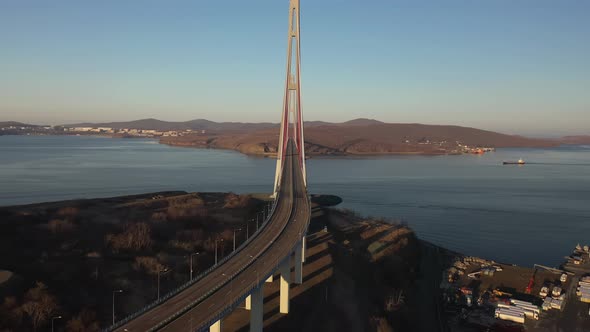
(238, 275)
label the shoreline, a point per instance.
(272, 155)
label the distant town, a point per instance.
(25, 129)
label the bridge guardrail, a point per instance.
(196, 279)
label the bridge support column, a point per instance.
(303, 244)
(299, 263)
(248, 304)
(257, 312)
(216, 327)
(285, 270)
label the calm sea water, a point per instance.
(473, 204)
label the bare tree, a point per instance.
(136, 236)
(39, 305)
(150, 265)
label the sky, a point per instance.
(510, 66)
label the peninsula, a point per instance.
(359, 137)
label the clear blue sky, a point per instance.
(512, 66)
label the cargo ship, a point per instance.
(518, 162)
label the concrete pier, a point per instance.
(285, 270)
(248, 304)
(257, 312)
(303, 249)
(216, 327)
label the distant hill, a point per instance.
(345, 137)
(198, 124)
(211, 126)
(580, 139)
(6, 124)
(358, 136)
(364, 136)
(362, 122)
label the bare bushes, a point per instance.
(149, 265)
(57, 226)
(233, 201)
(136, 237)
(184, 208)
(85, 321)
(159, 216)
(189, 239)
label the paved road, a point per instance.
(238, 275)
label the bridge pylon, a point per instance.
(291, 117)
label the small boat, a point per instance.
(519, 162)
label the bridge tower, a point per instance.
(292, 118)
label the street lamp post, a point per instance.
(191, 264)
(166, 270)
(115, 291)
(216, 240)
(236, 229)
(53, 319)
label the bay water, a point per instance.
(473, 204)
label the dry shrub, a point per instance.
(227, 235)
(184, 245)
(233, 201)
(159, 216)
(224, 239)
(9, 303)
(10, 312)
(94, 254)
(209, 244)
(381, 324)
(188, 239)
(61, 226)
(83, 322)
(191, 207)
(136, 237)
(148, 264)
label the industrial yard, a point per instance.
(483, 295)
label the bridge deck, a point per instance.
(247, 269)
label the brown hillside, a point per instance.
(582, 139)
(370, 137)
